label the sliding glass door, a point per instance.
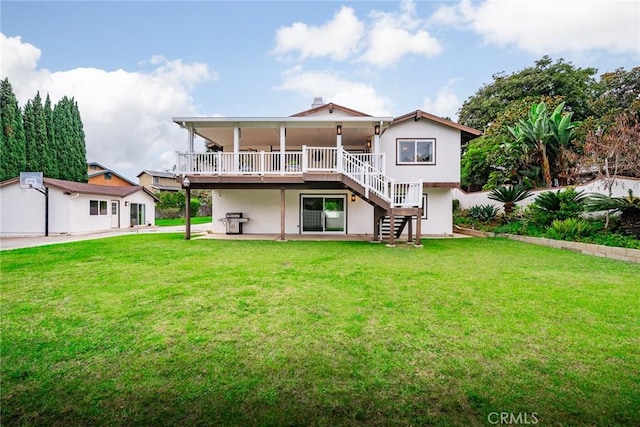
(323, 214)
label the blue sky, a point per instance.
(133, 65)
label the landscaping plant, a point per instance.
(509, 195)
(628, 207)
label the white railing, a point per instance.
(407, 194)
(365, 169)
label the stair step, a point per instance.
(398, 226)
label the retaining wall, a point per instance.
(622, 254)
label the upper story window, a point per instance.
(156, 180)
(416, 151)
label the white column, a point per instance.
(283, 138)
(236, 148)
(190, 136)
(236, 138)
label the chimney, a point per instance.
(317, 102)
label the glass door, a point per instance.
(323, 214)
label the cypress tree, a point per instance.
(52, 151)
(41, 139)
(80, 145)
(12, 141)
(61, 135)
(31, 146)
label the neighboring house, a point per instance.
(73, 208)
(100, 175)
(329, 169)
(158, 181)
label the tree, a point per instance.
(617, 92)
(614, 151)
(52, 169)
(509, 195)
(546, 78)
(12, 142)
(69, 141)
(628, 206)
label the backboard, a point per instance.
(31, 180)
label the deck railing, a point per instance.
(365, 169)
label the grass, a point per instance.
(155, 330)
(166, 222)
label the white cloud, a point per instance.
(126, 115)
(550, 26)
(393, 35)
(336, 39)
(389, 36)
(445, 104)
(337, 89)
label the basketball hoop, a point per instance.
(31, 180)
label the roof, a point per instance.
(159, 174)
(167, 187)
(419, 114)
(106, 171)
(330, 107)
(83, 188)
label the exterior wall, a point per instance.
(22, 212)
(146, 180)
(115, 181)
(262, 207)
(447, 151)
(481, 198)
(439, 212)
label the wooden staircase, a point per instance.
(399, 226)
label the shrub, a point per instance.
(569, 229)
(195, 206)
(629, 208)
(561, 205)
(456, 205)
(509, 196)
(483, 212)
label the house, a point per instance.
(73, 208)
(329, 169)
(100, 175)
(158, 181)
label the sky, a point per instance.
(132, 66)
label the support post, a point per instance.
(45, 191)
(46, 211)
(283, 157)
(187, 214)
(378, 213)
(392, 229)
(410, 224)
(419, 228)
(282, 214)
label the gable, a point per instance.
(330, 110)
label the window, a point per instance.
(97, 207)
(156, 180)
(416, 151)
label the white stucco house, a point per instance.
(74, 208)
(329, 169)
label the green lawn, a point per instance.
(156, 330)
(180, 221)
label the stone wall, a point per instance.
(622, 254)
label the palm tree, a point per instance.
(628, 206)
(509, 196)
(536, 131)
